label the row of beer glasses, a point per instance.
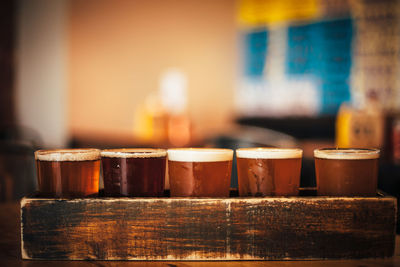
(203, 172)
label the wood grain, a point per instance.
(208, 229)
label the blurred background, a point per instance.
(172, 73)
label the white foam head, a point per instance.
(134, 153)
(80, 154)
(346, 153)
(269, 153)
(200, 154)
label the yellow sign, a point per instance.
(264, 12)
(359, 128)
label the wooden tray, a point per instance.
(271, 228)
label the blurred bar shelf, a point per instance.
(234, 228)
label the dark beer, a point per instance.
(268, 171)
(134, 172)
(68, 172)
(200, 172)
(346, 172)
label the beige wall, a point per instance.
(118, 50)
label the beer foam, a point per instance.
(269, 153)
(80, 154)
(346, 153)
(133, 153)
(200, 154)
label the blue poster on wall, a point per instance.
(316, 59)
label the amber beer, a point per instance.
(68, 172)
(346, 172)
(269, 171)
(134, 172)
(200, 172)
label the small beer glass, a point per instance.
(68, 172)
(200, 172)
(134, 172)
(266, 171)
(346, 172)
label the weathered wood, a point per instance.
(208, 229)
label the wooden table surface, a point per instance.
(10, 252)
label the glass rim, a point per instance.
(347, 153)
(269, 153)
(67, 154)
(192, 154)
(133, 153)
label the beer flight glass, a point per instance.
(269, 171)
(68, 172)
(203, 172)
(200, 172)
(346, 172)
(134, 172)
